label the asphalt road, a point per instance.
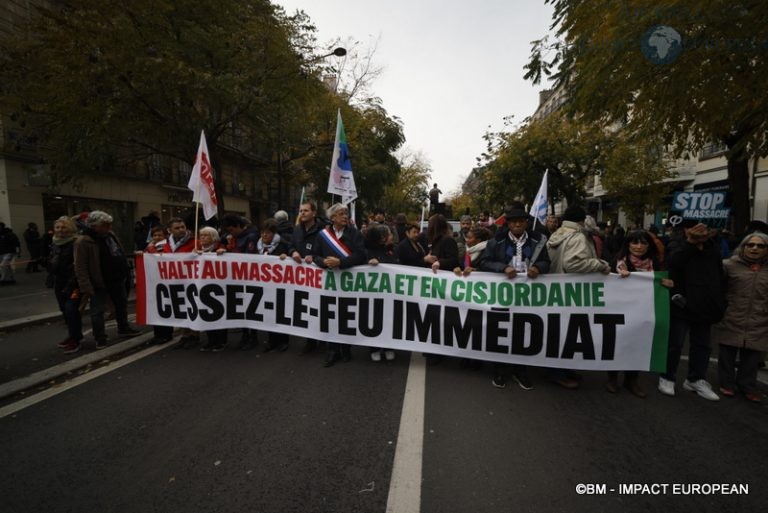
(184, 431)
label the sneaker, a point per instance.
(667, 387)
(523, 381)
(702, 389)
(128, 331)
(389, 355)
(376, 356)
(755, 397)
(499, 381)
(156, 341)
(728, 391)
(217, 348)
(206, 348)
(64, 343)
(101, 342)
(72, 347)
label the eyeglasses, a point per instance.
(756, 245)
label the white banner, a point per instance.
(576, 321)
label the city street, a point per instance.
(178, 430)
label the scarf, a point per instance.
(266, 249)
(177, 244)
(519, 243)
(475, 251)
(639, 264)
(60, 241)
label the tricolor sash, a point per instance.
(336, 245)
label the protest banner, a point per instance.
(576, 321)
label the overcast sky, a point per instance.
(451, 67)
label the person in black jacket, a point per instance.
(34, 246)
(380, 248)
(302, 244)
(9, 250)
(61, 265)
(409, 250)
(522, 251)
(443, 249)
(271, 243)
(698, 301)
(339, 246)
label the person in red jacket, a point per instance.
(180, 240)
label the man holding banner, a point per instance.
(521, 251)
(302, 243)
(572, 251)
(339, 246)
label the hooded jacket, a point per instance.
(571, 250)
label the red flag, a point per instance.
(501, 220)
(201, 181)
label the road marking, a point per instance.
(56, 390)
(405, 484)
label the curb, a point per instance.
(44, 376)
(23, 322)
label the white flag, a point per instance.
(539, 207)
(201, 180)
(341, 182)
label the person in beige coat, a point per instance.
(743, 332)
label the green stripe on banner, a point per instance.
(661, 329)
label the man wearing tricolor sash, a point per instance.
(339, 246)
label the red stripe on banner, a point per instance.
(141, 292)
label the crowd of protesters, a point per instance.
(718, 289)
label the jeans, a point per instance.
(700, 348)
(71, 310)
(6, 267)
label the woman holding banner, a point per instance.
(380, 249)
(210, 242)
(638, 253)
(271, 243)
(743, 331)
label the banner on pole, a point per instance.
(341, 181)
(579, 321)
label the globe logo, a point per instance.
(661, 44)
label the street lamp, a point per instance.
(338, 52)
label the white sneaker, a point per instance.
(702, 388)
(389, 355)
(376, 356)
(667, 387)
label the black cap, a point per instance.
(575, 214)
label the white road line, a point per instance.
(47, 394)
(405, 484)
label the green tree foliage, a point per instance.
(373, 137)
(98, 81)
(712, 92)
(407, 194)
(634, 173)
(517, 160)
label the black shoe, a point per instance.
(309, 346)
(246, 345)
(499, 381)
(128, 331)
(330, 359)
(206, 348)
(523, 380)
(101, 342)
(283, 347)
(217, 348)
(269, 347)
(156, 341)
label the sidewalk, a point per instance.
(29, 301)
